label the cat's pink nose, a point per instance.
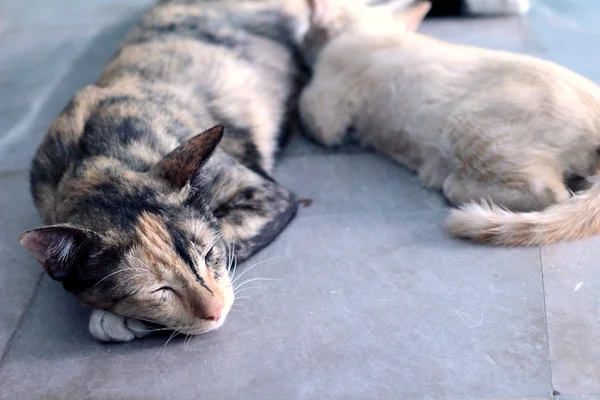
(215, 314)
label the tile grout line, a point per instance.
(77, 28)
(14, 134)
(552, 391)
(21, 319)
(12, 172)
(364, 212)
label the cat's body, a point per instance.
(146, 217)
(479, 124)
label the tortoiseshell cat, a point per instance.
(142, 209)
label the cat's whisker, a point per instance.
(116, 272)
(229, 257)
(175, 333)
(253, 266)
(130, 278)
(127, 280)
(150, 330)
(142, 262)
(246, 288)
(234, 263)
(253, 280)
(225, 178)
(187, 340)
(148, 321)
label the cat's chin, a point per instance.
(198, 331)
(205, 329)
(219, 323)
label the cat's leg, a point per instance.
(254, 214)
(252, 209)
(109, 327)
(433, 176)
(433, 170)
(522, 196)
(495, 162)
(325, 114)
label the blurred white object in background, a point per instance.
(497, 7)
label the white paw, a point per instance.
(109, 327)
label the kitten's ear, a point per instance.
(180, 165)
(59, 248)
(412, 18)
(321, 12)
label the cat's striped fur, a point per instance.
(142, 210)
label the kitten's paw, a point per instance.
(109, 327)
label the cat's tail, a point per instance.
(576, 218)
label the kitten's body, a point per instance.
(143, 229)
(480, 124)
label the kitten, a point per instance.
(495, 131)
(144, 213)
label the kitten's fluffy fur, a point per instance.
(496, 131)
(145, 216)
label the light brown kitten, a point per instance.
(500, 133)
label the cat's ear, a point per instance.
(321, 12)
(412, 18)
(60, 248)
(180, 165)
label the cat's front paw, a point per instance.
(109, 327)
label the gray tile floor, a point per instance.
(370, 299)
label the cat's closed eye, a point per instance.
(166, 290)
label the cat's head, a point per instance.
(330, 18)
(144, 245)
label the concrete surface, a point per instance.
(371, 299)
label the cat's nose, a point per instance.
(215, 314)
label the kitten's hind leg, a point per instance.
(519, 196)
(433, 171)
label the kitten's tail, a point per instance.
(576, 218)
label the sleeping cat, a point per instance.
(145, 212)
(496, 131)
